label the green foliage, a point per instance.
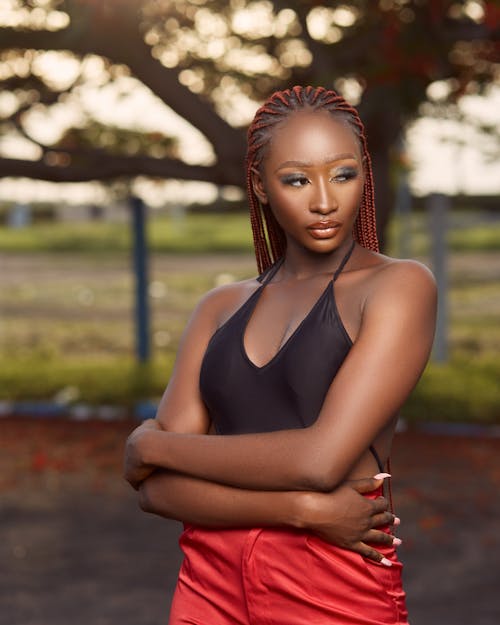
(461, 390)
(101, 380)
(458, 391)
(477, 238)
(201, 233)
(185, 235)
(469, 231)
(116, 140)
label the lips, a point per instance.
(324, 229)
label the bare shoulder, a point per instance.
(221, 302)
(394, 271)
(401, 283)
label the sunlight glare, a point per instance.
(59, 69)
(439, 90)
(350, 88)
(19, 147)
(293, 53)
(8, 103)
(15, 16)
(321, 25)
(474, 10)
(254, 21)
(250, 61)
(344, 16)
(209, 24)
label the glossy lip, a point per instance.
(324, 229)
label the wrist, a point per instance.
(304, 511)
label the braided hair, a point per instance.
(269, 238)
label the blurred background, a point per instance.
(122, 137)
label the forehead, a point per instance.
(312, 136)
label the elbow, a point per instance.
(153, 499)
(319, 483)
(145, 501)
(318, 476)
(317, 465)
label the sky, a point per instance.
(441, 164)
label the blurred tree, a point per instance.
(212, 61)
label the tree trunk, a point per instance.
(382, 119)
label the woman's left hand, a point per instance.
(135, 469)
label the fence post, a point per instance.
(140, 259)
(438, 207)
(403, 210)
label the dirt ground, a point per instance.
(77, 550)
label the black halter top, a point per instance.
(288, 391)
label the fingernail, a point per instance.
(386, 562)
(397, 541)
(396, 521)
(381, 476)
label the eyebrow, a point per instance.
(327, 161)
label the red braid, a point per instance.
(269, 238)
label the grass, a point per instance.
(67, 310)
(461, 390)
(468, 232)
(227, 232)
(194, 233)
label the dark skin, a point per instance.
(312, 177)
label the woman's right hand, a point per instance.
(349, 520)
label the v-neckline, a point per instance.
(285, 344)
(257, 294)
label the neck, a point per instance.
(300, 263)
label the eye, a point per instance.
(344, 174)
(295, 180)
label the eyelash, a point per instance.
(293, 179)
(348, 173)
(299, 180)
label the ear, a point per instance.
(258, 185)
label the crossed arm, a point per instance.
(264, 479)
(344, 517)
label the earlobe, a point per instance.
(258, 186)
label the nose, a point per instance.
(323, 198)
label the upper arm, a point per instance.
(381, 369)
(181, 408)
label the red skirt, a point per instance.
(267, 576)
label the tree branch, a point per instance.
(109, 167)
(116, 36)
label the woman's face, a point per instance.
(312, 178)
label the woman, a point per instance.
(301, 374)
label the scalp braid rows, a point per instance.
(269, 239)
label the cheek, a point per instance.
(277, 196)
(353, 195)
(285, 204)
(286, 217)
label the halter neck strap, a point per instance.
(269, 274)
(344, 261)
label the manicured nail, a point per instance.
(397, 521)
(381, 476)
(386, 562)
(397, 541)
